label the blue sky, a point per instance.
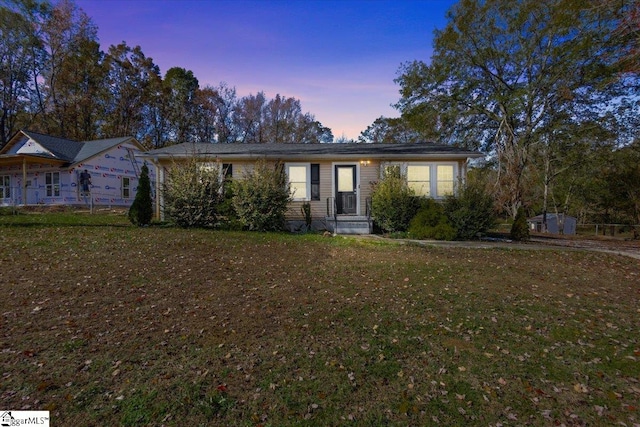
(339, 58)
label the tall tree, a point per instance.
(629, 32)
(180, 87)
(130, 82)
(281, 115)
(226, 102)
(206, 100)
(505, 76)
(248, 118)
(619, 181)
(386, 130)
(19, 46)
(72, 74)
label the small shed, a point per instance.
(555, 223)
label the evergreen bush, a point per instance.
(431, 223)
(261, 197)
(141, 210)
(393, 203)
(520, 228)
(471, 211)
(193, 194)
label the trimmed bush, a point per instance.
(261, 197)
(141, 210)
(520, 228)
(393, 203)
(226, 212)
(193, 194)
(470, 212)
(431, 223)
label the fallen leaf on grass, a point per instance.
(580, 388)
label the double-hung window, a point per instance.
(5, 187)
(430, 179)
(419, 179)
(304, 180)
(126, 187)
(299, 175)
(445, 180)
(52, 184)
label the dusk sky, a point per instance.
(339, 58)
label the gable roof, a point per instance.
(326, 151)
(56, 148)
(60, 149)
(92, 148)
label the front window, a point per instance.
(126, 187)
(445, 179)
(5, 186)
(419, 179)
(52, 184)
(429, 179)
(299, 181)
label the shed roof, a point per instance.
(540, 218)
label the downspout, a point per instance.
(24, 181)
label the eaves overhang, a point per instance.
(20, 159)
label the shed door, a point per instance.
(346, 190)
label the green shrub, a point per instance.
(141, 210)
(431, 223)
(471, 212)
(305, 209)
(192, 194)
(393, 203)
(520, 228)
(228, 219)
(261, 197)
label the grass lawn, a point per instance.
(107, 324)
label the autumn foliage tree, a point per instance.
(508, 77)
(55, 79)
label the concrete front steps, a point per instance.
(350, 224)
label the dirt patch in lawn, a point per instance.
(157, 326)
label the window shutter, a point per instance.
(315, 181)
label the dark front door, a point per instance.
(346, 190)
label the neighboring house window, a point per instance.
(419, 179)
(52, 183)
(5, 186)
(227, 171)
(445, 180)
(126, 187)
(315, 181)
(299, 180)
